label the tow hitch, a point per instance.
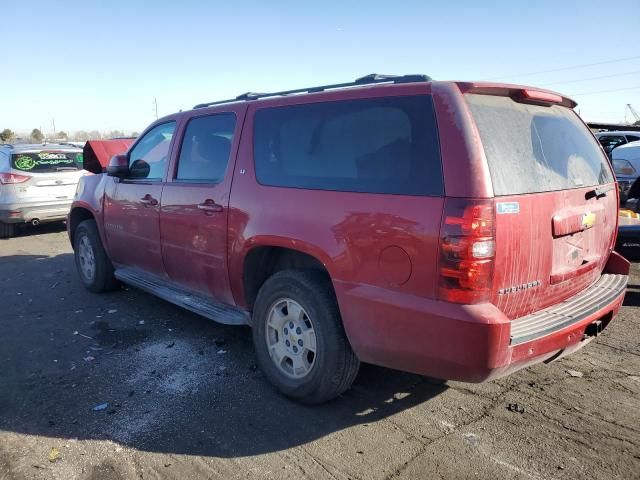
(593, 329)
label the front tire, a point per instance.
(299, 338)
(93, 264)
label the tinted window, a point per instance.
(533, 148)
(46, 161)
(385, 145)
(149, 157)
(205, 148)
(632, 138)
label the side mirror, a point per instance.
(118, 166)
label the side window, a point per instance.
(633, 138)
(205, 148)
(149, 157)
(382, 145)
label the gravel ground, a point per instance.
(184, 398)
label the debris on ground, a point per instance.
(471, 439)
(220, 352)
(170, 345)
(100, 406)
(141, 322)
(514, 407)
(113, 310)
(89, 358)
(54, 455)
(575, 373)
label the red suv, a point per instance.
(457, 230)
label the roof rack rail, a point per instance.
(370, 79)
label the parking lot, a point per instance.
(125, 385)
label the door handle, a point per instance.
(210, 206)
(148, 201)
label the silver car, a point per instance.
(37, 183)
(626, 164)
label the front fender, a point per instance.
(89, 198)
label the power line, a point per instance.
(604, 91)
(585, 65)
(590, 78)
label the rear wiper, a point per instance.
(598, 192)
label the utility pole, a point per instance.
(155, 104)
(633, 112)
(53, 122)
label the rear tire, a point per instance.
(93, 264)
(7, 230)
(312, 362)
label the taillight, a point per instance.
(10, 178)
(623, 167)
(467, 250)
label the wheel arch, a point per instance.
(77, 215)
(261, 261)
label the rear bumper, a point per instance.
(471, 343)
(24, 213)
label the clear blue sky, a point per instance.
(99, 65)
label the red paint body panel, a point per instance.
(528, 251)
(460, 145)
(381, 251)
(346, 231)
(132, 229)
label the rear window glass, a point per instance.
(533, 148)
(46, 162)
(383, 145)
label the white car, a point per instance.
(37, 183)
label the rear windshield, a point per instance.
(533, 148)
(46, 162)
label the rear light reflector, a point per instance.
(11, 178)
(467, 250)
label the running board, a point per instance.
(195, 302)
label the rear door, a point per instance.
(53, 175)
(195, 201)
(556, 201)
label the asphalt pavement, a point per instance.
(124, 385)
